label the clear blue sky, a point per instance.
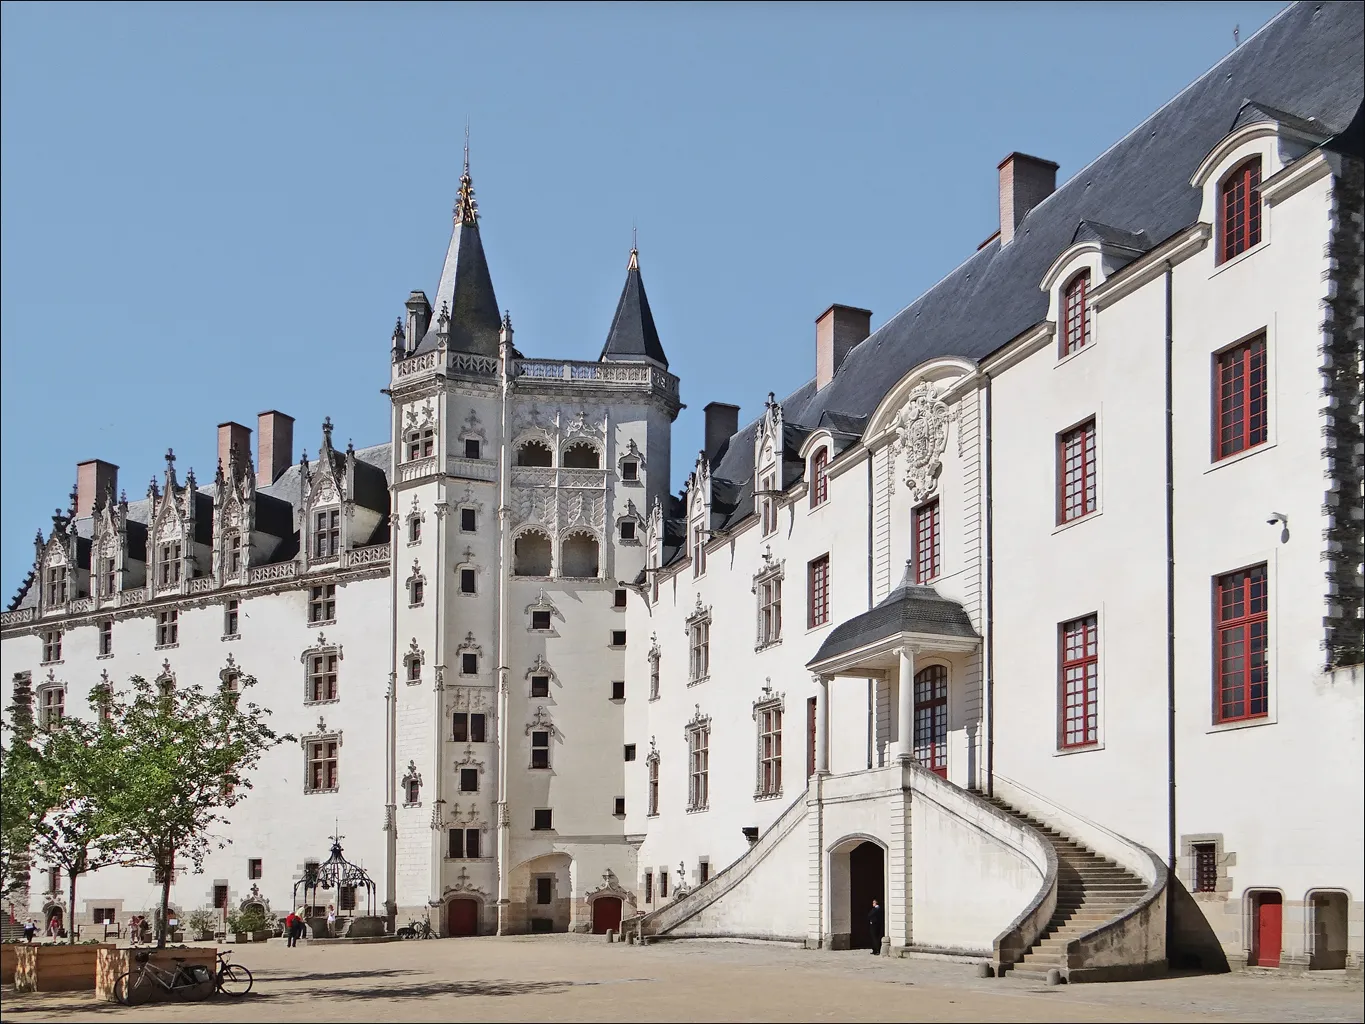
(213, 210)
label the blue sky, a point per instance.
(213, 210)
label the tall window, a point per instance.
(698, 550)
(56, 585)
(254, 868)
(51, 705)
(322, 677)
(1239, 214)
(1241, 397)
(654, 674)
(1242, 630)
(770, 611)
(417, 588)
(108, 577)
(540, 686)
(817, 592)
(540, 748)
(927, 543)
(234, 553)
(464, 843)
(170, 563)
(768, 503)
(470, 728)
(770, 751)
(322, 603)
(931, 719)
(106, 638)
(1080, 675)
(699, 767)
(469, 520)
(819, 477)
(653, 802)
(1205, 867)
(220, 897)
(414, 529)
(699, 638)
(327, 533)
(52, 645)
(1077, 312)
(1076, 492)
(231, 614)
(322, 766)
(167, 627)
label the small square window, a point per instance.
(469, 520)
(630, 751)
(540, 620)
(618, 689)
(540, 686)
(253, 868)
(544, 821)
(1205, 867)
(473, 448)
(618, 638)
(619, 598)
(620, 811)
(469, 664)
(630, 471)
(467, 581)
(469, 780)
(628, 529)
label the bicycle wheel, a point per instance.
(129, 987)
(121, 986)
(234, 980)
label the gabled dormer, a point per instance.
(1096, 251)
(698, 504)
(58, 563)
(118, 555)
(234, 516)
(768, 452)
(180, 528)
(343, 503)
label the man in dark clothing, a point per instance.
(874, 927)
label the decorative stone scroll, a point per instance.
(922, 434)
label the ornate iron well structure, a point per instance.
(336, 874)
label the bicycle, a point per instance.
(418, 928)
(182, 982)
(233, 980)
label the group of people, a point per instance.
(55, 929)
(295, 926)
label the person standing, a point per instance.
(874, 927)
(290, 936)
(30, 930)
(331, 921)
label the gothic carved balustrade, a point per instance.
(416, 470)
(17, 617)
(279, 571)
(203, 584)
(471, 469)
(372, 555)
(82, 604)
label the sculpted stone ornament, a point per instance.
(922, 434)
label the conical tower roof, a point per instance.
(465, 294)
(633, 335)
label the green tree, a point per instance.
(22, 800)
(183, 758)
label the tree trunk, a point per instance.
(165, 925)
(71, 910)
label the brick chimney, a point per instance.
(837, 330)
(1025, 181)
(274, 446)
(230, 434)
(722, 422)
(94, 479)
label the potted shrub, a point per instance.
(234, 925)
(202, 923)
(254, 921)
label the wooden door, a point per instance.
(606, 915)
(1267, 926)
(462, 917)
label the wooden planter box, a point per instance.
(114, 962)
(8, 957)
(58, 968)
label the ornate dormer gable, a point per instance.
(768, 449)
(325, 502)
(57, 562)
(234, 515)
(108, 547)
(698, 503)
(171, 559)
(630, 465)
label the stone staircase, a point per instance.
(1091, 891)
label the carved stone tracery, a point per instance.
(922, 434)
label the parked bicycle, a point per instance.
(418, 928)
(232, 980)
(183, 981)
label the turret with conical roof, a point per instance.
(633, 336)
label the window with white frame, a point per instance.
(421, 443)
(231, 617)
(108, 574)
(170, 564)
(540, 748)
(699, 645)
(819, 477)
(652, 763)
(168, 627)
(322, 603)
(654, 655)
(322, 677)
(52, 646)
(56, 585)
(699, 764)
(768, 715)
(767, 485)
(698, 550)
(327, 533)
(51, 704)
(322, 765)
(1076, 313)
(232, 553)
(106, 638)
(768, 589)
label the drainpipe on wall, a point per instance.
(504, 817)
(391, 702)
(438, 714)
(871, 683)
(990, 600)
(1170, 586)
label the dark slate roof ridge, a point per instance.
(466, 290)
(633, 334)
(1308, 125)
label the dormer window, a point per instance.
(698, 550)
(1239, 210)
(56, 585)
(170, 563)
(1077, 314)
(234, 553)
(327, 533)
(421, 444)
(819, 477)
(768, 503)
(108, 577)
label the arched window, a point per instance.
(1076, 314)
(535, 453)
(531, 554)
(1239, 210)
(581, 455)
(819, 477)
(578, 556)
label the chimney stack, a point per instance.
(274, 446)
(94, 479)
(230, 434)
(837, 330)
(419, 318)
(722, 422)
(1025, 181)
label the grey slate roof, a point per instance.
(1308, 60)
(910, 608)
(466, 290)
(632, 334)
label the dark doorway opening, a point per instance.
(606, 914)
(866, 882)
(462, 917)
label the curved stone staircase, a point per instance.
(1092, 891)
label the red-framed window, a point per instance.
(1239, 210)
(817, 602)
(1080, 682)
(1076, 314)
(1240, 397)
(1241, 640)
(927, 544)
(931, 719)
(819, 477)
(1076, 472)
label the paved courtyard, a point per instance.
(582, 978)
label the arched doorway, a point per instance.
(1329, 929)
(462, 917)
(1267, 928)
(866, 882)
(606, 914)
(53, 915)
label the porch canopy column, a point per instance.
(822, 724)
(905, 708)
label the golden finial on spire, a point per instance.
(466, 208)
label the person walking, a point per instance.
(30, 930)
(291, 935)
(874, 927)
(331, 921)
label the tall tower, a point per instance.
(520, 487)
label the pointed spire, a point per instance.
(633, 336)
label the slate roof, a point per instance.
(466, 290)
(1307, 60)
(910, 608)
(633, 334)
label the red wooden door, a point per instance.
(1267, 926)
(606, 915)
(462, 917)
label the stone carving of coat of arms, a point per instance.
(922, 434)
